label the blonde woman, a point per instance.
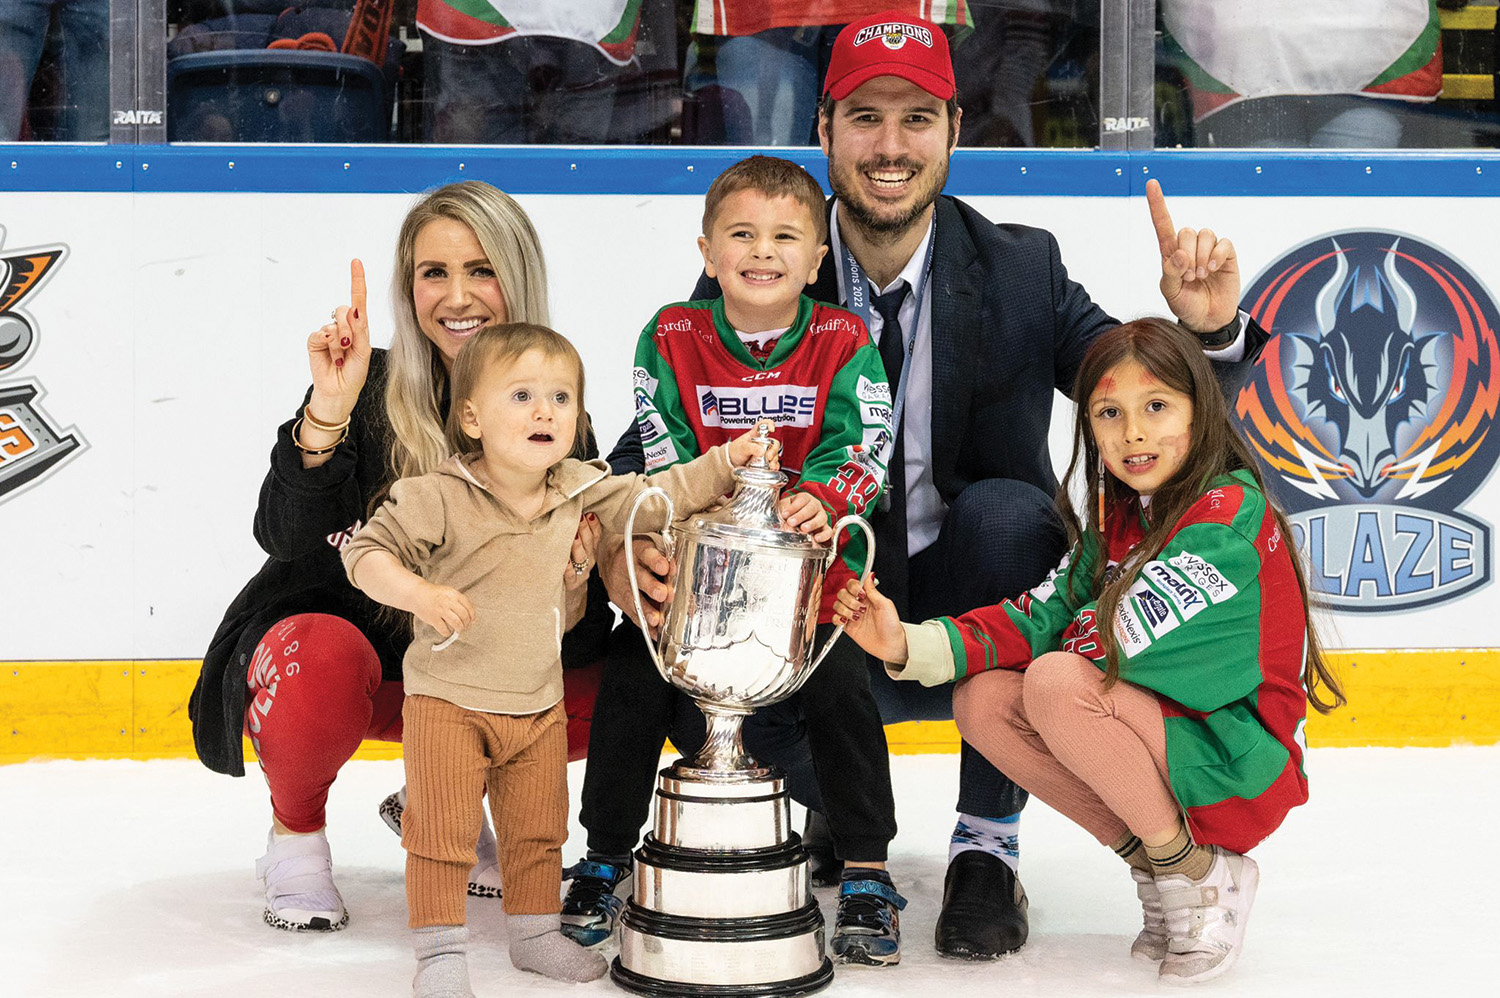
(303, 663)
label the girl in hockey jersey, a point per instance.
(1173, 731)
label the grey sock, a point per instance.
(442, 962)
(537, 944)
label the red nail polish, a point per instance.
(344, 342)
(355, 313)
(339, 362)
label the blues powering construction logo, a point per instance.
(1372, 410)
(29, 445)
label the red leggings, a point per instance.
(315, 693)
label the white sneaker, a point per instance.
(484, 878)
(1206, 918)
(1151, 944)
(300, 894)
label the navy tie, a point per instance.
(890, 548)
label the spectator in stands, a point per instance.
(1306, 73)
(78, 31)
(581, 71)
(755, 68)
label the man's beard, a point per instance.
(865, 215)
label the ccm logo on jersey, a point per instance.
(739, 407)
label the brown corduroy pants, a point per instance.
(453, 755)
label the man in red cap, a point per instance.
(979, 326)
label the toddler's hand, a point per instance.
(444, 609)
(805, 513)
(871, 620)
(745, 448)
(581, 555)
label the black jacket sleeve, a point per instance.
(300, 507)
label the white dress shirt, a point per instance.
(925, 508)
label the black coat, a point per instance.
(300, 522)
(1008, 328)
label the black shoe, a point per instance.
(984, 909)
(823, 867)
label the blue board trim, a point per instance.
(688, 170)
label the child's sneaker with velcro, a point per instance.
(1206, 918)
(596, 896)
(297, 871)
(867, 930)
(1151, 943)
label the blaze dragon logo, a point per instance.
(29, 445)
(1372, 410)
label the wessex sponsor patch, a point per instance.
(1205, 576)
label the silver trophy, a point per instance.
(721, 903)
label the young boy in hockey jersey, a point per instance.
(703, 369)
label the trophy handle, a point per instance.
(864, 576)
(635, 592)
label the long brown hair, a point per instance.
(503, 345)
(1174, 357)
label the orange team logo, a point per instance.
(1372, 410)
(29, 445)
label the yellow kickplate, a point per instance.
(1476, 17)
(138, 709)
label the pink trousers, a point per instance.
(1097, 756)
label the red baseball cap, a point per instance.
(890, 44)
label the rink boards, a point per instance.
(155, 302)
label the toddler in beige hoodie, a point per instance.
(475, 552)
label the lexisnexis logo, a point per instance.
(30, 446)
(1372, 410)
(894, 34)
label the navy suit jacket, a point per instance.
(1008, 327)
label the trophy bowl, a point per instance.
(738, 631)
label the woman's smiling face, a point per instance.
(1143, 428)
(454, 289)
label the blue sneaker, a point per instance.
(595, 898)
(868, 927)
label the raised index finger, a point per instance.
(359, 318)
(357, 286)
(1161, 218)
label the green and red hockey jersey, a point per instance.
(1214, 625)
(823, 385)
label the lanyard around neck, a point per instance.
(861, 301)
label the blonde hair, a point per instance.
(415, 376)
(502, 346)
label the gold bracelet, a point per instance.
(318, 424)
(297, 440)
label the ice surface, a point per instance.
(126, 879)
